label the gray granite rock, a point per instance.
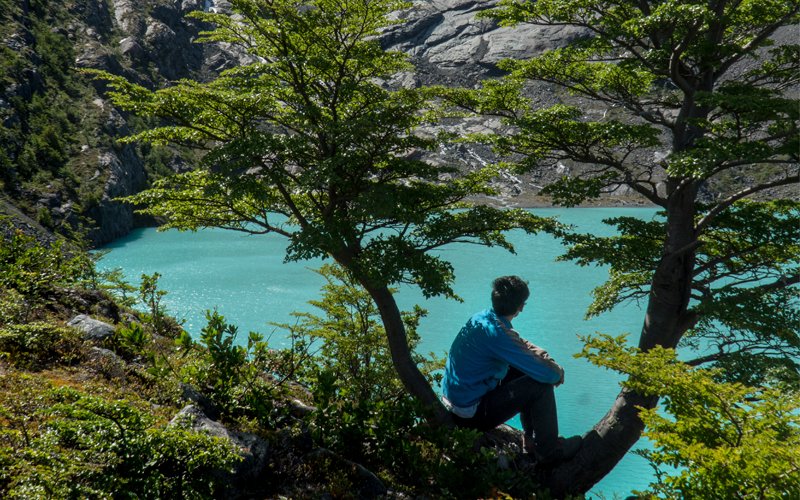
(128, 16)
(130, 47)
(92, 329)
(125, 176)
(106, 362)
(450, 43)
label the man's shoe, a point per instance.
(565, 449)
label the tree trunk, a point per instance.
(670, 290)
(665, 322)
(603, 447)
(413, 380)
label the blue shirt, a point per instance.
(480, 356)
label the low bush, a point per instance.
(39, 344)
(62, 443)
(237, 378)
(35, 271)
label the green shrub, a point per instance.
(44, 217)
(35, 271)
(151, 296)
(35, 345)
(13, 307)
(237, 378)
(132, 340)
(134, 336)
(711, 438)
(113, 281)
(65, 444)
(352, 351)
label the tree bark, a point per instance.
(407, 370)
(670, 289)
(603, 447)
(664, 324)
(411, 377)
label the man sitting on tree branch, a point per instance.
(493, 374)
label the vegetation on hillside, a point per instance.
(95, 425)
(53, 128)
(73, 425)
(48, 115)
(298, 137)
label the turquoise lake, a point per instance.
(245, 278)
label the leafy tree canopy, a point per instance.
(308, 142)
(704, 82)
(726, 439)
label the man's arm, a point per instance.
(543, 355)
(528, 358)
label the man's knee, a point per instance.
(538, 390)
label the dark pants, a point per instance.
(518, 393)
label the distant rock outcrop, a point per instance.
(153, 42)
(451, 45)
(448, 44)
(126, 176)
(152, 35)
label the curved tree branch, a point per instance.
(756, 41)
(727, 202)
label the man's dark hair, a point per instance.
(508, 294)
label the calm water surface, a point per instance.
(245, 278)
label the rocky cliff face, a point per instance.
(451, 46)
(60, 162)
(151, 42)
(448, 44)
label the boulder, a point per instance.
(158, 33)
(204, 404)
(254, 450)
(94, 55)
(105, 362)
(130, 47)
(92, 329)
